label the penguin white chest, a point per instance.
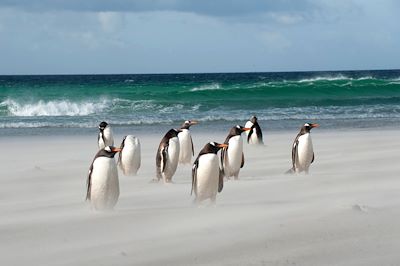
(130, 156)
(185, 143)
(248, 124)
(104, 183)
(233, 158)
(254, 137)
(207, 176)
(173, 150)
(172, 158)
(305, 151)
(106, 138)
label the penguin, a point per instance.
(167, 156)
(207, 178)
(105, 137)
(102, 182)
(186, 143)
(254, 135)
(232, 157)
(129, 158)
(302, 150)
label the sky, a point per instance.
(193, 36)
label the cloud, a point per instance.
(288, 19)
(110, 21)
(196, 36)
(286, 12)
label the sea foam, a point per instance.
(333, 78)
(209, 87)
(53, 108)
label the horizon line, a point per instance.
(202, 73)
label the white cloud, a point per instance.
(111, 21)
(287, 19)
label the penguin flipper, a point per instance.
(158, 164)
(242, 164)
(220, 181)
(194, 176)
(294, 152)
(313, 157)
(250, 133)
(223, 152)
(120, 154)
(100, 137)
(191, 141)
(89, 183)
(164, 151)
(260, 135)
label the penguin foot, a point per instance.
(290, 172)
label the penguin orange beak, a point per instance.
(246, 128)
(314, 125)
(222, 145)
(116, 150)
(194, 122)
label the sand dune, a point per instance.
(346, 212)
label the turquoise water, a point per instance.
(32, 104)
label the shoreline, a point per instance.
(203, 128)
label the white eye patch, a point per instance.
(108, 148)
(213, 143)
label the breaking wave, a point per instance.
(53, 108)
(209, 87)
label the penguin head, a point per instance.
(218, 145)
(213, 147)
(103, 125)
(108, 151)
(253, 119)
(237, 130)
(308, 126)
(188, 123)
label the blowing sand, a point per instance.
(345, 212)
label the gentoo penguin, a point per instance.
(302, 150)
(254, 135)
(105, 137)
(102, 182)
(207, 178)
(167, 156)
(129, 157)
(232, 157)
(186, 143)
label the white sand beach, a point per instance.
(345, 212)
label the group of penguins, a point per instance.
(208, 170)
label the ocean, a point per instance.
(75, 104)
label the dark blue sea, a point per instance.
(75, 104)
